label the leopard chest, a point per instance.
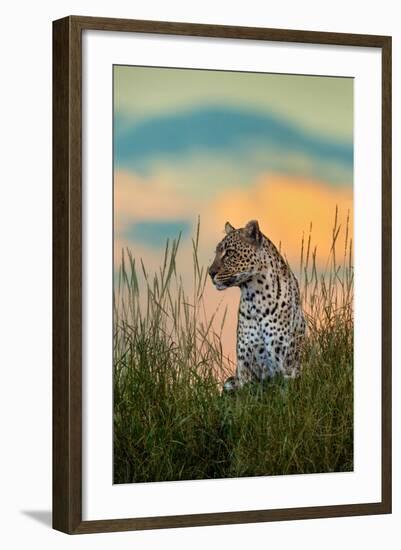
(265, 310)
(254, 314)
(259, 301)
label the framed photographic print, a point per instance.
(221, 274)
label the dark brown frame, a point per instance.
(67, 274)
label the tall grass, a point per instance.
(171, 421)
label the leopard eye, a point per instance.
(230, 252)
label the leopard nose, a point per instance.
(212, 272)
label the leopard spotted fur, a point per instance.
(271, 324)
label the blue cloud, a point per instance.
(218, 129)
(154, 233)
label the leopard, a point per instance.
(271, 323)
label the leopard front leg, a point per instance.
(243, 374)
(246, 341)
(245, 358)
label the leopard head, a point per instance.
(237, 256)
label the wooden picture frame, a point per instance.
(67, 273)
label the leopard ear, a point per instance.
(253, 233)
(228, 228)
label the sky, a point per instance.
(228, 146)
